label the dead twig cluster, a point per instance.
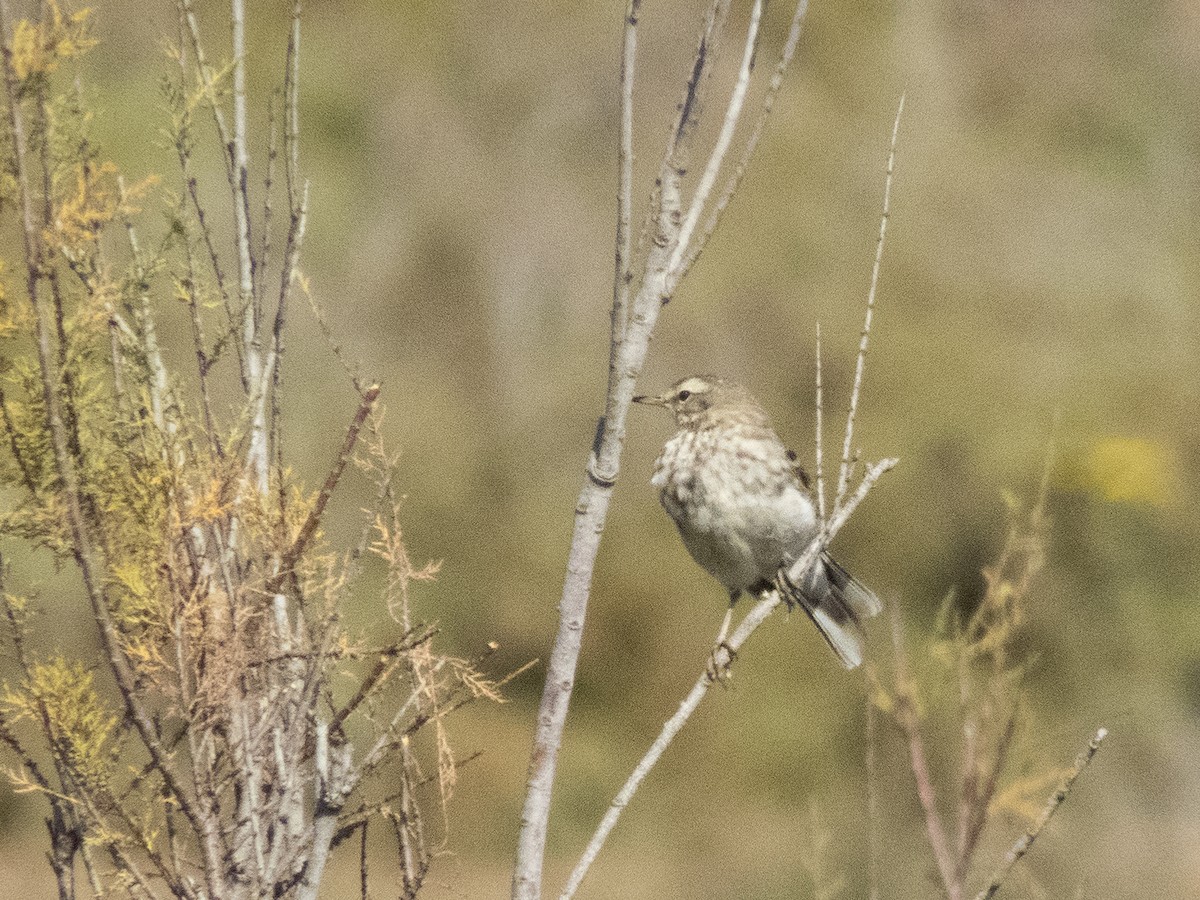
(977, 657)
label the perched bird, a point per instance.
(744, 509)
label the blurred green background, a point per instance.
(1042, 261)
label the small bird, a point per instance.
(744, 510)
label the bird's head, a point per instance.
(693, 399)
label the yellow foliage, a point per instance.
(83, 728)
(1129, 470)
(89, 205)
(38, 48)
(208, 504)
(877, 694)
(1026, 797)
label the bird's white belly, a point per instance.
(740, 515)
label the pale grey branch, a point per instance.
(860, 362)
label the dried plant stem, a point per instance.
(1025, 841)
(309, 528)
(906, 717)
(148, 331)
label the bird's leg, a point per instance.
(718, 671)
(787, 589)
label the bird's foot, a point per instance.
(718, 669)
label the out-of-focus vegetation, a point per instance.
(1042, 262)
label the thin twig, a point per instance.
(1025, 841)
(188, 26)
(309, 528)
(733, 114)
(264, 245)
(860, 362)
(362, 861)
(870, 739)
(203, 361)
(735, 179)
(148, 332)
(981, 800)
(687, 112)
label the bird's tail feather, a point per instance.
(837, 603)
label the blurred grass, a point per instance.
(1042, 260)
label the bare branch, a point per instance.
(860, 362)
(188, 27)
(632, 327)
(145, 319)
(237, 170)
(623, 274)
(1025, 841)
(308, 529)
(735, 179)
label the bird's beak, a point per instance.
(649, 401)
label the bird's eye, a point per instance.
(683, 395)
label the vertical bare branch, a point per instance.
(623, 274)
(237, 169)
(148, 332)
(332, 767)
(202, 360)
(633, 324)
(860, 362)
(117, 358)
